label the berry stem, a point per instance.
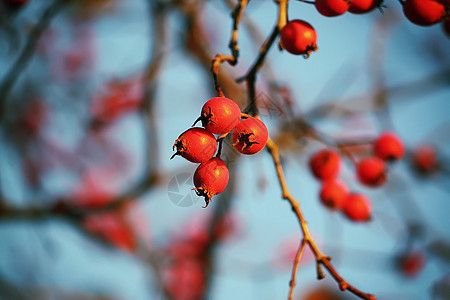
(321, 260)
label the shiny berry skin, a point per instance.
(250, 136)
(363, 6)
(197, 145)
(332, 8)
(220, 115)
(211, 178)
(389, 147)
(299, 37)
(325, 164)
(423, 12)
(333, 194)
(358, 208)
(425, 158)
(371, 171)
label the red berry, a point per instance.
(211, 178)
(332, 8)
(363, 6)
(425, 158)
(196, 145)
(389, 147)
(411, 263)
(423, 12)
(325, 164)
(220, 115)
(371, 171)
(299, 37)
(333, 194)
(358, 208)
(250, 136)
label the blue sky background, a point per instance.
(52, 253)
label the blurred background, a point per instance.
(93, 94)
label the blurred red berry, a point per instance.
(325, 164)
(423, 12)
(333, 194)
(184, 279)
(425, 158)
(371, 171)
(197, 145)
(411, 263)
(388, 146)
(299, 37)
(220, 115)
(250, 136)
(332, 8)
(358, 208)
(112, 227)
(211, 178)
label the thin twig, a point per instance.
(27, 52)
(321, 259)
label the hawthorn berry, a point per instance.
(332, 8)
(358, 208)
(250, 136)
(333, 194)
(219, 115)
(388, 146)
(211, 178)
(197, 145)
(325, 164)
(371, 171)
(423, 12)
(299, 37)
(363, 6)
(425, 159)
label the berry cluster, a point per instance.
(370, 171)
(299, 37)
(219, 116)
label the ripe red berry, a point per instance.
(423, 12)
(425, 158)
(220, 115)
(333, 194)
(371, 171)
(211, 178)
(325, 164)
(299, 37)
(389, 147)
(363, 6)
(358, 208)
(332, 8)
(250, 136)
(196, 145)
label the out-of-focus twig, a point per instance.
(27, 52)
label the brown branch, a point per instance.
(298, 256)
(321, 259)
(27, 52)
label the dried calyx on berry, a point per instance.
(211, 178)
(219, 115)
(197, 145)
